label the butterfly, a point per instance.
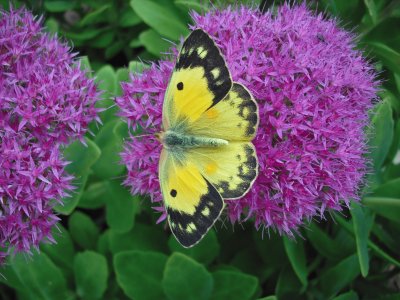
(208, 123)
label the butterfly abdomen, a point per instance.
(176, 140)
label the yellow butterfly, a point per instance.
(208, 122)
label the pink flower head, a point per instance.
(45, 101)
(313, 90)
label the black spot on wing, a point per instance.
(210, 58)
(180, 221)
(173, 193)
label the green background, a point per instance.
(108, 246)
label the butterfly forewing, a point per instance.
(200, 80)
(234, 118)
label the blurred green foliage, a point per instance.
(108, 246)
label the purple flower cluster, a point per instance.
(314, 91)
(45, 101)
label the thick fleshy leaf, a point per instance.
(121, 207)
(62, 252)
(94, 196)
(107, 81)
(141, 237)
(233, 285)
(153, 42)
(139, 274)
(91, 274)
(83, 230)
(204, 252)
(184, 278)
(162, 18)
(41, 278)
(82, 158)
(59, 5)
(110, 140)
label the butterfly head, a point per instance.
(160, 136)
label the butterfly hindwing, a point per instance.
(192, 203)
(234, 118)
(199, 80)
(231, 169)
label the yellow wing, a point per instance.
(231, 169)
(192, 203)
(234, 118)
(200, 80)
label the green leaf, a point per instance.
(385, 206)
(110, 140)
(382, 33)
(83, 230)
(82, 158)
(324, 244)
(62, 252)
(94, 196)
(84, 35)
(193, 4)
(347, 296)
(362, 223)
(137, 67)
(233, 285)
(94, 16)
(106, 79)
(389, 56)
(162, 18)
(121, 207)
(271, 250)
(129, 18)
(370, 4)
(141, 237)
(114, 49)
(288, 285)
(59, 5)
(340, 275)
(204, 252)
(390, 189)
(85, 65)
(40, 277)
(91, 274)
(103, 40)
(107, 82)
(139, 274)
(135, 43)
(103, 243)
(297, 258)
(268, 298)
(347, 226)
(383, 127)
(52, 25)
(184, 278)
(153, 42)
(122, 76)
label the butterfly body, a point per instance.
(176, 141)
(208, 124)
